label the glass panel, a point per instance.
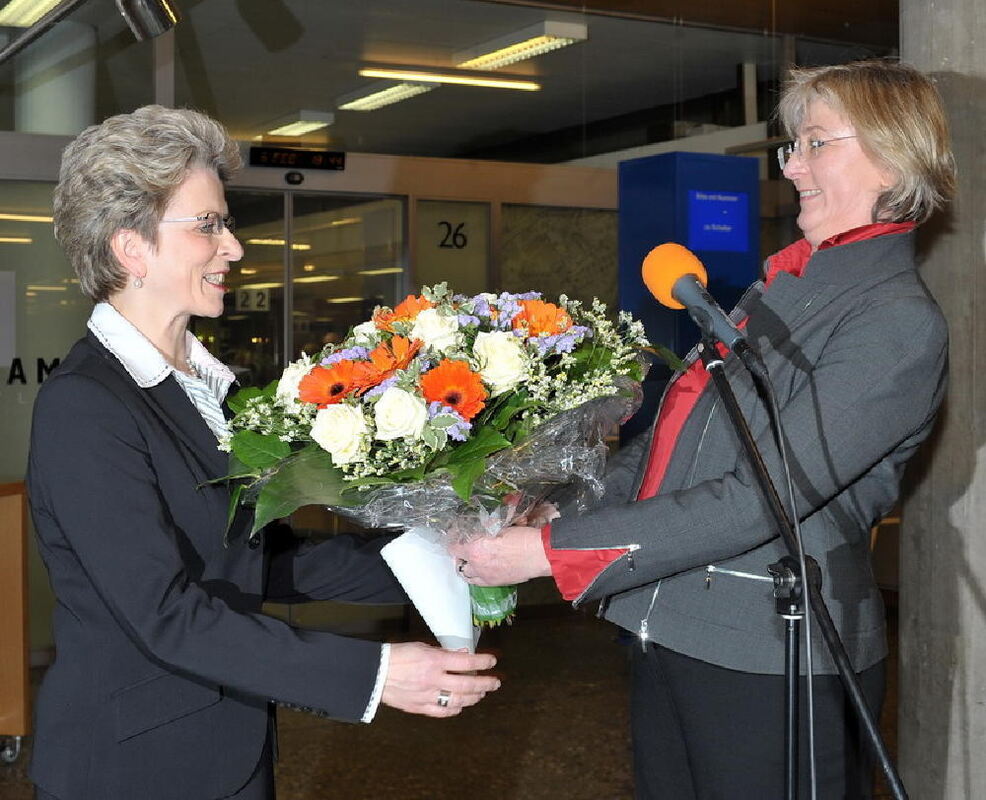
(42, 313)
(347, 257)
(557, 251)
(249, 335)
(84, 69)
(453, 245)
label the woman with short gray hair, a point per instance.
(166, 668)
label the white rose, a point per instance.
(436, 330)
(287, 386)
(340, 429)
(501, 358)
(399, 415)
(365, 333)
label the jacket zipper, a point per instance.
(630, 548)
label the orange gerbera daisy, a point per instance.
(404, 311)
(542, 319)
(453, 384)
(327, 385)
(395, 354)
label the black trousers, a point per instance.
(702, 732)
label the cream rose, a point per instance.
(365, 333)
(287, 386)
(501, 359)
(341, 430)
(436, 330)
(399, 415)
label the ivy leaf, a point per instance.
(258, 450)
(307, 478)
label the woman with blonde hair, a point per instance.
(856, 350)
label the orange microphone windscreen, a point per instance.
(664, 265)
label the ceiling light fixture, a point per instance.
(26, 218)
(279, 243)
(303, 122)
(15, 240)
(316, 279)
(440, 77)
(380, 271)
(380, 94)
(530, 42)
(24, 13)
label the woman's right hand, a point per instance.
(420, 677)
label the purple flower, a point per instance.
(381, 387)
(458, 430)
(481, 306)
(467, 320)
(349, 354)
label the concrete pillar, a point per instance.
(55, 81)
(942, 711)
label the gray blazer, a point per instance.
(165, 664)
(856, 350)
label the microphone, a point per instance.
(677, 279)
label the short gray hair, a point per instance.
(122, 174)
(899, 121)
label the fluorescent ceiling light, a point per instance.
(24, 13)
(303, 122)
(279, 243)
(380, 94)
(43, 288)
(16, 240)
(316, 279)
(439, 77)
(260, 286)
(530, 42)
(344, 299)
(380, 271)
(26, 218)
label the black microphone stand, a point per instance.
(790, 588)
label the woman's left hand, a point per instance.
(513, 556)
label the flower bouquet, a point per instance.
(446, 414)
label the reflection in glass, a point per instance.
(353, 260)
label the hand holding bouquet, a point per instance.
(432, 413)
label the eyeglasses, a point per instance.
(213, 222)
(805, 149)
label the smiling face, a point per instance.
(186, 270)
(838, 183)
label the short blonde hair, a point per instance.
(122, 174)
(899, 121)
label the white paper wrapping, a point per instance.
(421, 563)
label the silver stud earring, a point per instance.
(138, 282)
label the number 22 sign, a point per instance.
(252, 300)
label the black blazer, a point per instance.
(164, 664)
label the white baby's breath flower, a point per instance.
(435, 329)
(341, 430)
(399, 414)
(287, 386)
(501, 358)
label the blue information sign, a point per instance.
(718, 221)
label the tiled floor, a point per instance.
(557, 729)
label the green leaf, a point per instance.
(258, 450)
(270, 389)
(492, 605)
(486, 441)
(465, 475)
(234, 503)
(307, 478)
(239, 400)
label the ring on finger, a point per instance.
(443, 698)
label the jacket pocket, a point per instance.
(158, 700)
